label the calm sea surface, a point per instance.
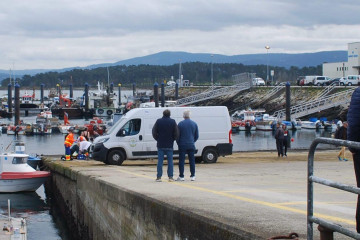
(34, 206)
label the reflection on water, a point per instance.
(265, 140)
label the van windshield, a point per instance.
(113, 128)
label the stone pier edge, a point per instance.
(96, 209)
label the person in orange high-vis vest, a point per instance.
(69, 140)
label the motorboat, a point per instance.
(43, 124)
(11, 129)
(266, 123)
(102, 101)
(311, 125)
(17, 176)
(245, 120)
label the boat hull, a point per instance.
(21, 185)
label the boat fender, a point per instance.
(109, 112)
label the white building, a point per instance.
(342, 69)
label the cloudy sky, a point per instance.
(46, 34)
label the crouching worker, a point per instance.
(69, 140)
(81, 147)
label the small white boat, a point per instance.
(17, 176)
(11, 129)
(311, 125)
(64, 128)
(264, 125)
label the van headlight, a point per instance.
(102, 140)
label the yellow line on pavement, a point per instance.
(249, 200)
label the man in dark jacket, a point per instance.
(165, 132)
(188, 135)
(279, 136)
(353, 134)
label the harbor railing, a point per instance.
(313, 179)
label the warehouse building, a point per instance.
(343, 69)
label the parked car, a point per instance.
(350, 80)
(171, 83)
(321, 80)
(258, 82)
(335, 81)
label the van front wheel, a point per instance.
(210, 155)
(116, 157)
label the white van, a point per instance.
(321, 80)
(131, 136)
(307, 80)
(258, 82)
(350, 80)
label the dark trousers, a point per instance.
(285, 143)
(279, 146)
(356, 158)
(191, 154)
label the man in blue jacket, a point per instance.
(188, 135)
(165, 132)
(353, 134)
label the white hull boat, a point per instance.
(264, 125)
(64, 128)
(311, 125)
(17, 176)
(23, 184)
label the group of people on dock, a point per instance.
(80, 146)
(281, 137)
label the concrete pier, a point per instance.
(243, 196)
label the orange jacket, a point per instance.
(69, 140)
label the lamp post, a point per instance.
(267, 63)
(212, 73)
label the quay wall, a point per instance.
(96, 208)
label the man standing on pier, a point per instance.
(188, 135)
(353, 134)
(165, 132)
(279, 136)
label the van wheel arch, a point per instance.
(116, 156)
(210, 155)
(349, 84)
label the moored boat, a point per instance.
(17, 176)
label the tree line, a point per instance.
(145, 75)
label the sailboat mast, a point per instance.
(108, 76)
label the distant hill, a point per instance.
(275, 59)
(169, 58)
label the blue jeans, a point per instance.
(190, 152)
(169, 154)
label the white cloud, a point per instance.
(56, 34)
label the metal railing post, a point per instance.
(310, 196)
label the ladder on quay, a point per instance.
(271, 93)
(242, 82)
(262, 99)
(316, 105)
(324, 92)
(213, 93)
